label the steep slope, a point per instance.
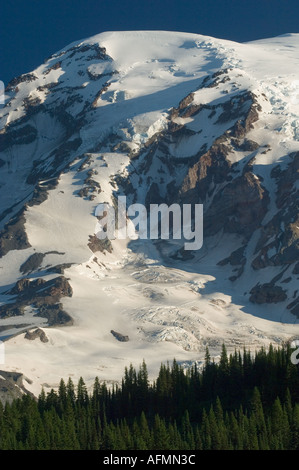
(158, 117)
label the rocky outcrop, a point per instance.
(286, 180)
(91, 186)
(38, 333)
(249, 145)
(244, 125)
(90, 51)
(99, 93)
(32, 263)
(14, 236)
(59, 268)
(236, 258)
(95, 244)
(42, 295)
(27, 288)
(27, 77)
(294, 307)
(55, 66)
(212, 166)
(280, 236)
(60, 157)
(12, 386)
(41, 191)
(120, 337)
(20, 135)
(238, 208)
(267, 293)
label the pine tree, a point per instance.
(82, 395)
(62, 393)
(160, 435)
(142, 389)
(259, 419)
(216, 443)
(187, 431)
(235, 434)
(278, 428)
(42, 401)
(145, 431)
(197, 439)
(96, 399)
(206, 432)
(294, 440)
(70, 388)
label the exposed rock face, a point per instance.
(240, 203)
(95, 244)
(119, 336)
(57, 287)
(42, 295)
(294, 306)
(59, 268)
(91, 187)
(212, 166)
(280, 236)
(18, 136)
(38, 333)
(27, 77)
(32, 263)
(236, 258)
(267, 293)
(239, 208)
(13, 236)
(41, 190)
(249, 145)
(11, 386)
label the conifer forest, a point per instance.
(244, 401)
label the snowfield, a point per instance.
(169, 307)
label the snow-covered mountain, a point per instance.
(158, 117)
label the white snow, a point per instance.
(167, 310)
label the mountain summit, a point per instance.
(158, 117)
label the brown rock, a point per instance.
(119, 336)
(38, 333)
(267, 293)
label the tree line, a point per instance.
(243, 402)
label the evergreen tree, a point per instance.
(187, 431)
(145, 431)
(259, 419)
(82, 395)
(70, 389)
(160, 435)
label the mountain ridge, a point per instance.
(192, 119)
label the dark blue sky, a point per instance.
(31, 30)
